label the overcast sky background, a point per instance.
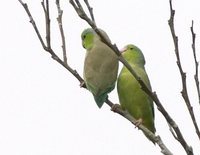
(43, 111)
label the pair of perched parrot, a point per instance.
(100, 75)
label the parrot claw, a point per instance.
(115, 107)
(82, 84)
(138, 122)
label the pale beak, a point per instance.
(123, 50)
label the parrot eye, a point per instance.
(84, 36)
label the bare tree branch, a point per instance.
(196, 76)
(183, 74)
(90, 10)
(47, 19)
(53, 55)
(59, 19)
(79, 9)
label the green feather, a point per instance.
(132, 98)
(100, 99)
(100, 66)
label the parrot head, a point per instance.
(88, 37)
(133, 54)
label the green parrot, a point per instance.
(100, 66)
(132, 98)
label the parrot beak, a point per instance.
(123, 50)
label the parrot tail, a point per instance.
(100, 99)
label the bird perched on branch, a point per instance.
(100, 66)
(132, 98)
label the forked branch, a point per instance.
(60, 24)
(184, 91)
(49, 49)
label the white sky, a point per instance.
(44, 112)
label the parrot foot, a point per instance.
(82, 84)
(115, 107)
(138, 122)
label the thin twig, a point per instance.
(33, 23)
(196, 76)
(59, 19)
(183, 74)
(153, 95)
(90, 10)
(48, 26)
